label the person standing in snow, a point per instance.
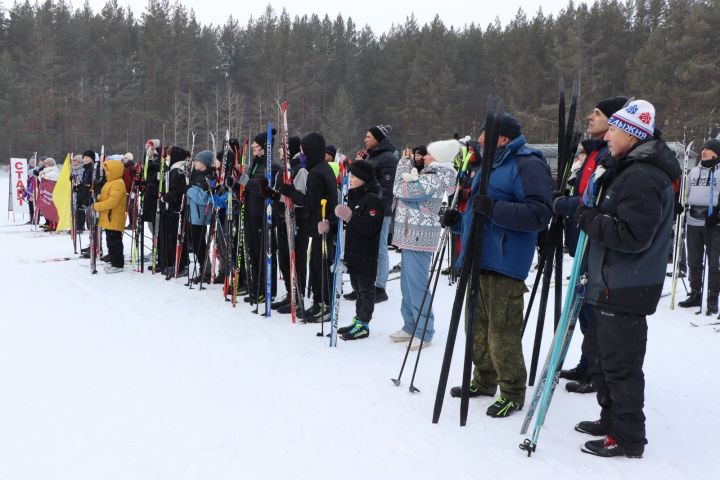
(703, 233)
(320, 185)
(628, 233)
(111, 205)
(381, 155)
(363, 216)
(417, 231)
(199, 204)
(596, 154)
(517, 205)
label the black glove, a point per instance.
(286, 189)
(585, 214)
(678, 208)
(266, 191)
(450, 217)
(483, 205)
(712, 220)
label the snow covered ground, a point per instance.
(129, 376)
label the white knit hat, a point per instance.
(636, 119)
(444, 151)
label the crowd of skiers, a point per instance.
(207, 213)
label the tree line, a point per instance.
(71, 79)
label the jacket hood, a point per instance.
(511, 148)
(655, 152)
(385, 146)
(446, 172)
(591, 144)
(113, 170)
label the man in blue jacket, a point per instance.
(518, 205)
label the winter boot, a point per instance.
(473, 391)
(380, 295)
(359, 330)
(693, 300)
(572, 374)
(593, 428)
(351, 296)
(607, 447)
(281, 303)
(582, 386)
(503, 408)
(712, 304)
(111, 269)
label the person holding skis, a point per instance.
(517, 206)
(596, 154)
(298, 176)
(256, 190)
(703, 233)
(199, 204)
(111, 204)
(628, 232)
(417, 232)
(363, 216)
(172, 197)
(320, 185)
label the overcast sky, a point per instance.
(379, 14)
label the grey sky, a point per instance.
(379, 14)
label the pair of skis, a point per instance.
(338, 266)
(470, 273)
(680, 227)
(95, 234)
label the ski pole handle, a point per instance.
(323, 204)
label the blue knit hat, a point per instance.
(205, 157)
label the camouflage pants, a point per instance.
(497, 348)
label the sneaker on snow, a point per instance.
(111, 269)
(416, 344)
(347, 328)
(359, 330)
(351, 296)
(608, 447)
(591, 427)
(400, 336)
(380, 295)
(503, 408)
(473, 391)
(580, 387)
(322, 315)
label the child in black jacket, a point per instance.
(364, 217)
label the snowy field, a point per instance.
(129, 376)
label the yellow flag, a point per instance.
(62, 196)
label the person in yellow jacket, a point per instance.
(111, 204)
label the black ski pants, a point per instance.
(114, 242)
(704, 241)
(617, 342)
(301, 244)
(255, 238)
(364, 286)
(320, 274)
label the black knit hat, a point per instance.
(380, 132)
(608, 106)
(510, 127)
(313, 146)
(293, 146)
(89, 153)
(362, 170)
(713, 145)
(177, 154)
(421, 149)
(261, 138)
(331, 150)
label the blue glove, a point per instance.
(219, 201)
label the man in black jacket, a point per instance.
(628, 233)
(596, 154)
(320, 185)
(382, 156)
